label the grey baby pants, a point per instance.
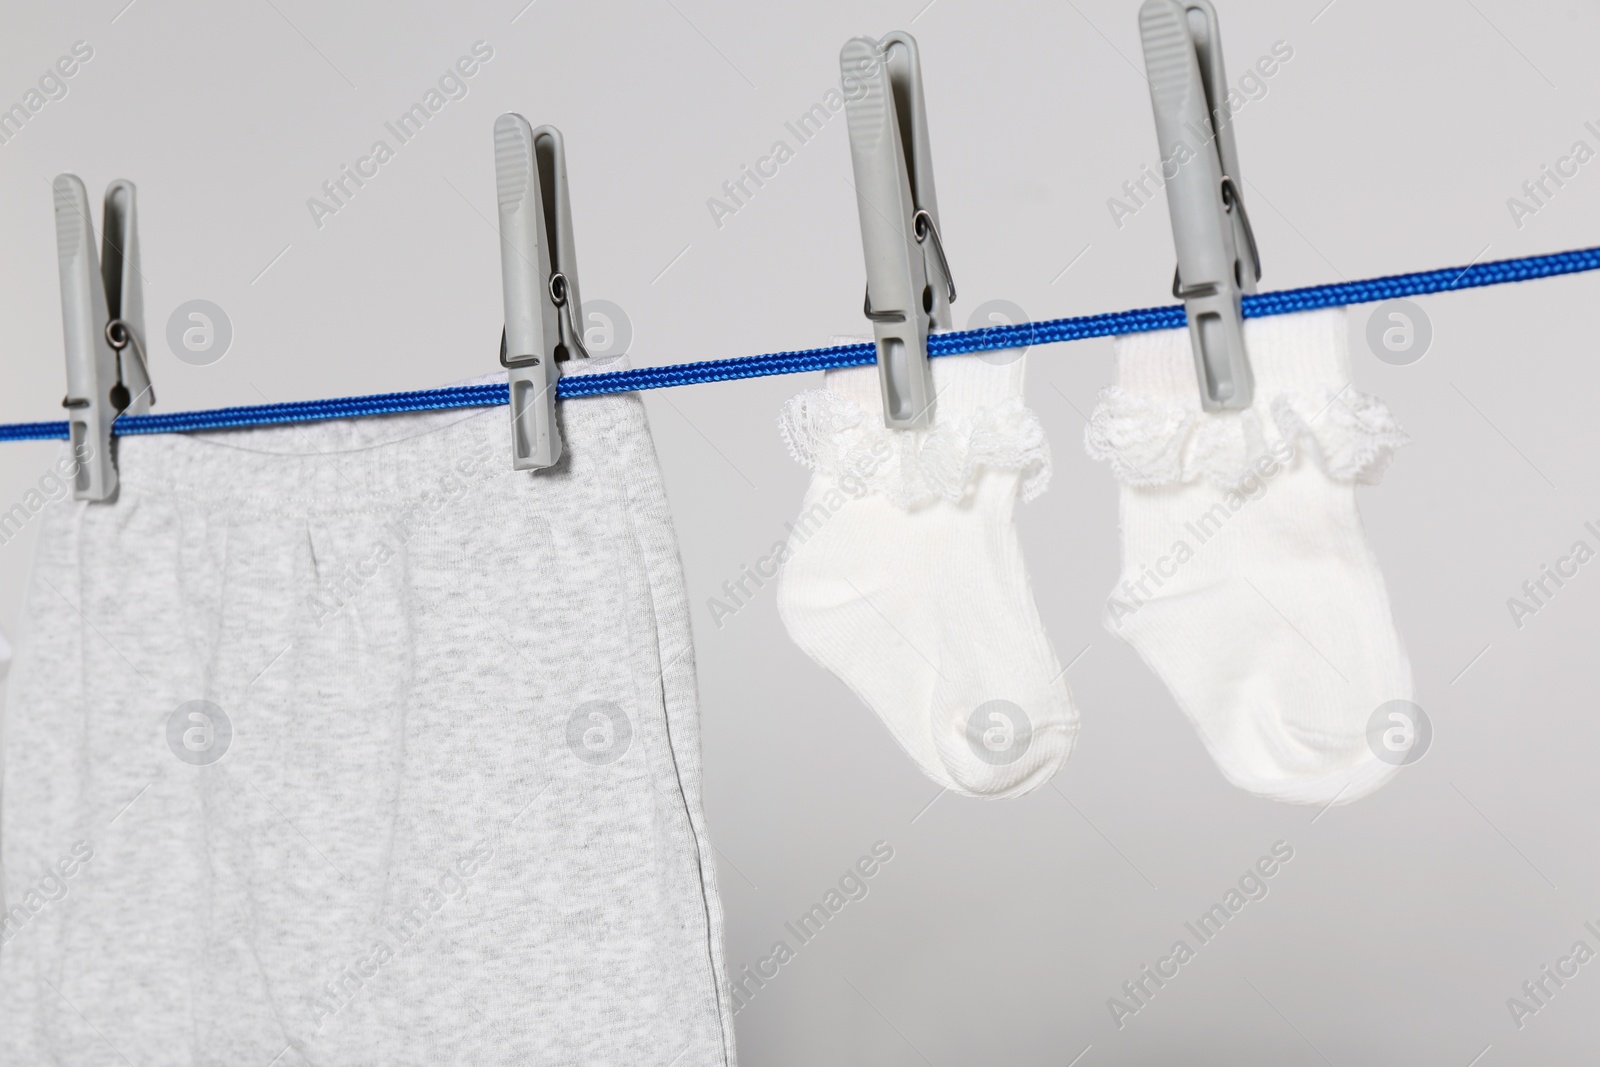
(345, 744)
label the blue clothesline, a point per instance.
(990, 339)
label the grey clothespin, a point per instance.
(908, 290)
(539, 275)
(1217, 257)
(102, 315)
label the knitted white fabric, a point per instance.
(904, 576)
(1247, 581)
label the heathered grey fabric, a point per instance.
(459, 818)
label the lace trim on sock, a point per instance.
(832, 435)
(1352, 437)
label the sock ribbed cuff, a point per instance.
(979, 421)
(962, 385)
(1306, 352)
(1151, 429)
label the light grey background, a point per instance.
(1390, 142)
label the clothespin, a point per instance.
(102, 315)
(539, 275)
(909, 290)
(1217, 257)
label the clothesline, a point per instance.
(989, 339)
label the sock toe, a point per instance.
(997, 747)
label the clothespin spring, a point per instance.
(559, 290)
(1232, 201)
(558, 296)
(120, 335)
(924, 227)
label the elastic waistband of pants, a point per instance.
(355, 464)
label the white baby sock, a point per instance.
(904, 576)
(1247, 581)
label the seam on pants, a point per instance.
(629, 486)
